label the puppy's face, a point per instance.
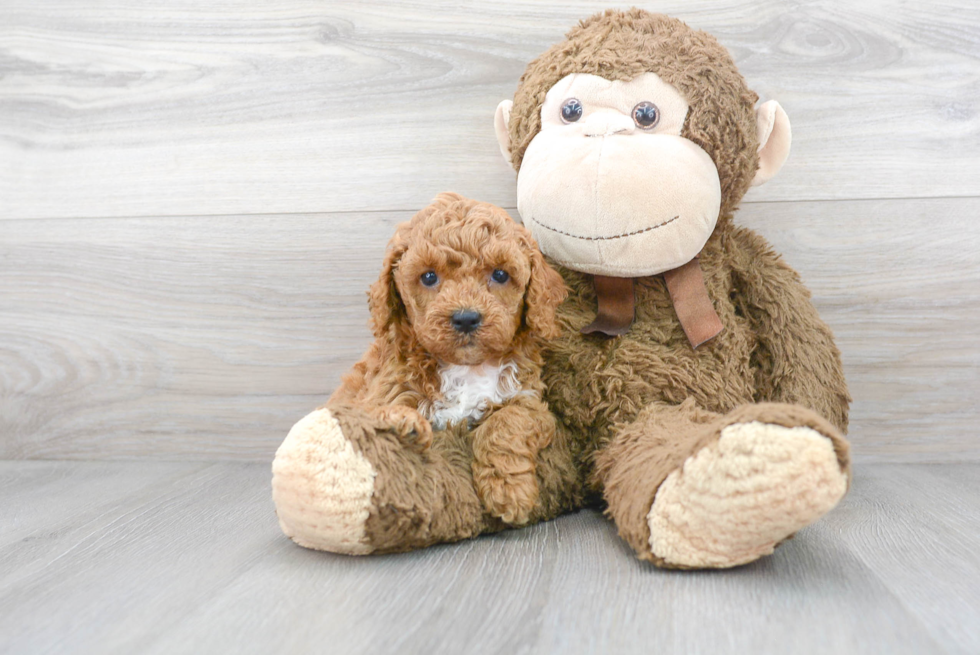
(462, 273)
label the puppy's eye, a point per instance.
(500, 276)
(646, 115)
(429, 278)
(571, 110)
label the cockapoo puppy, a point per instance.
(463, 300)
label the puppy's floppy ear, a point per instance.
(545, 291)
(383, 300)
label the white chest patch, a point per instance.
(468, 392)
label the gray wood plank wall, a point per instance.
(194, 198)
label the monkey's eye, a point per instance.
(646, 115)
(429, 278)
(500, 276)
(571, 110)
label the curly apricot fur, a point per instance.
(463, 242)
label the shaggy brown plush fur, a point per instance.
(460, 242)
(774, 346)
(646, 401)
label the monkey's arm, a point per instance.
(795, 359)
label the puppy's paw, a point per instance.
(410, 426)
(510, 497)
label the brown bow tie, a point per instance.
(685, 284)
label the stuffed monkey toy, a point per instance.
(698, 396)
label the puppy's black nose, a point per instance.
(466, 320)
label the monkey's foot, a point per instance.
(322, 487)
(736, 499)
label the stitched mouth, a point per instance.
(609, 238)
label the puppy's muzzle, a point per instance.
(466, 321)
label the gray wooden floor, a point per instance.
(194, 198)
(99, 557)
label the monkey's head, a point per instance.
(632, 139)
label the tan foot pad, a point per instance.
(733, 501)
(322, 487)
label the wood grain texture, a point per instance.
(916, 527)
(192, 561)
(94, 581)
(207, 339)
(138, 109)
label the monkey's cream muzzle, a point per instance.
(603, 195)
(623, 204)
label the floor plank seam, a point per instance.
(399, 210)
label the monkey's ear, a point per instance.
(775, 136)
(501, 124)
(383, 299)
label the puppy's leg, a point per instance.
(505, 454)
(412, 428)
